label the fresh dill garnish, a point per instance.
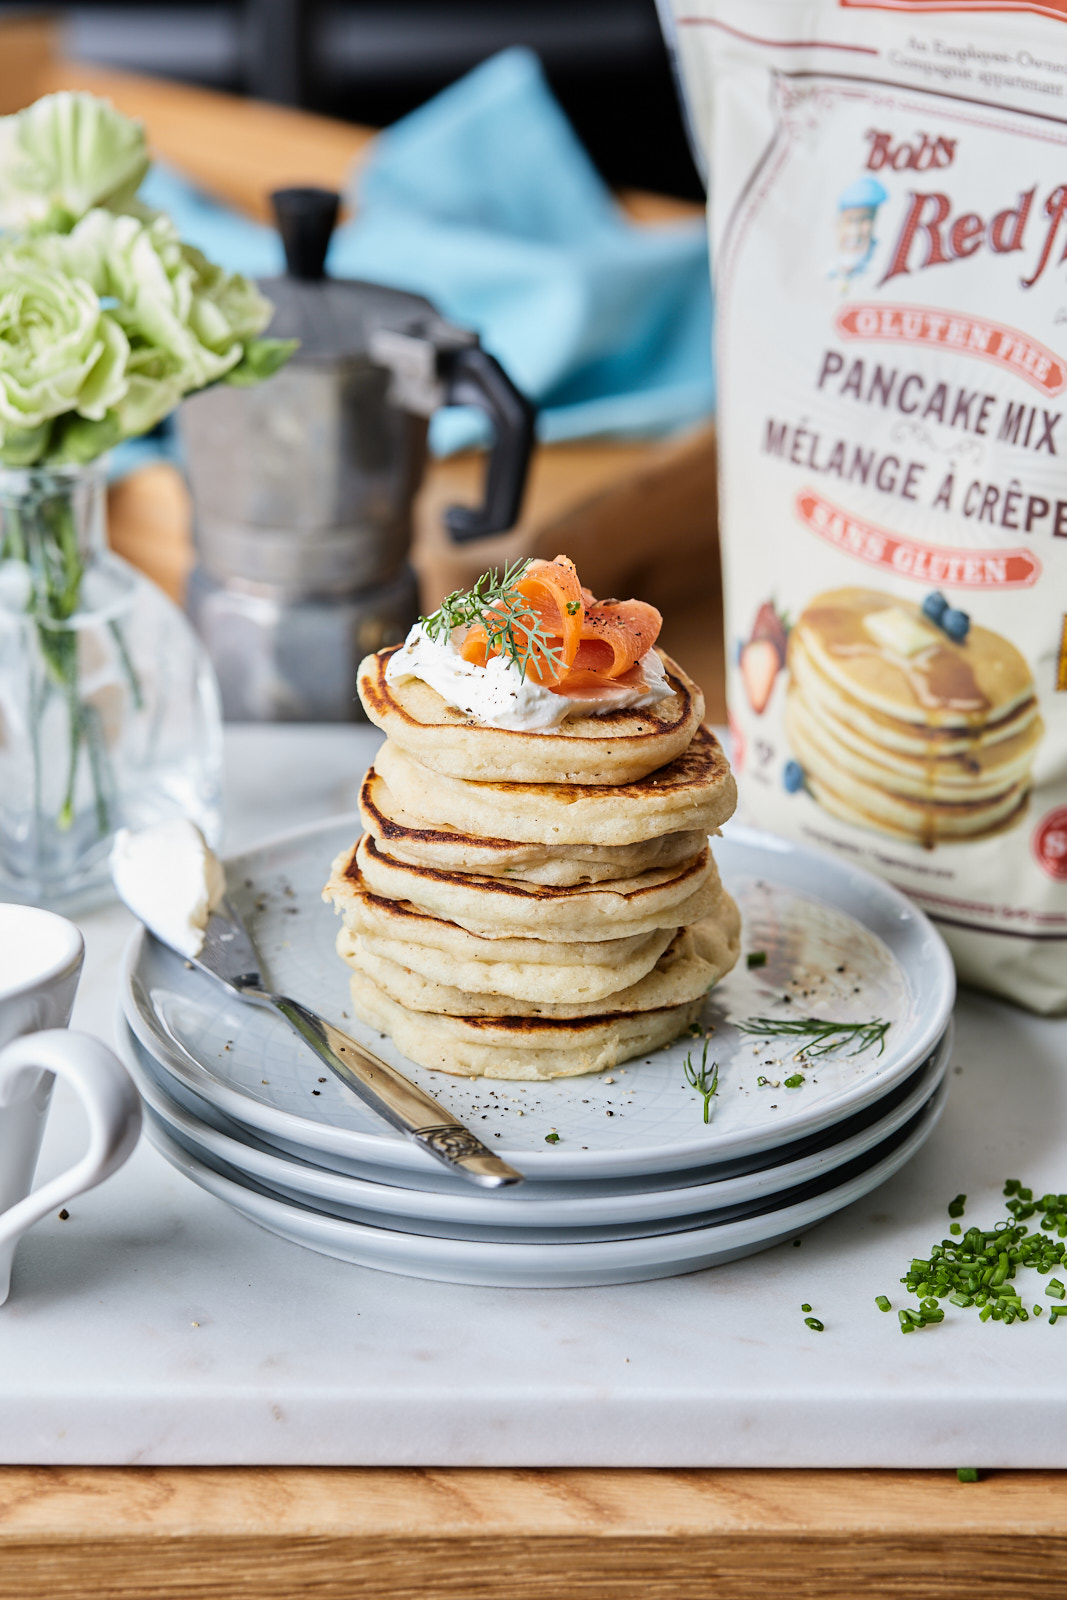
(512, 626)
(704, 1079)
(823, 1036)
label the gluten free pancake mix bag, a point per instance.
(888, 220)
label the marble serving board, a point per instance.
(154, 1326)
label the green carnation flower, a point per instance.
(60, 353)
(65, 154)
(106, 318)
(195, 317)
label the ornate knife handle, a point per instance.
(457, 1146)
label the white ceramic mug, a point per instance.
(40, 962)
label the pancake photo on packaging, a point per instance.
(910, 718)
(533, 895)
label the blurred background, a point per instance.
(371, 61)
(241, 99)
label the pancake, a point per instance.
(925, 821)
(695, 791)
(518, 1048)
(902, 729)
(966, 779)
(909, 738)
(536, 970)
(408, 838)
(616, 747)
(495, 907)
(695, 959)
(942, 683)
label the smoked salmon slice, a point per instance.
(591, 643)
(615, 635)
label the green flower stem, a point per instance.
(44, 534)
(130, 671)
(99, 766)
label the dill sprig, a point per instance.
(512, 626)
(704, 1079)
(823, 1036)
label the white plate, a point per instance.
(438, 1180)
(841, 942)
(538, 1266)
(544, 1206)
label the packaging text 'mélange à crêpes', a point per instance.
(888, 218)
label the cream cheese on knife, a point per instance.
(171, 879)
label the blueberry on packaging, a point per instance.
(890, 445)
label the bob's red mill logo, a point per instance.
(932, 233)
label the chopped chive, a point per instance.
(794, 1080)
(882, 1303)
(955, 1207)
(954, 1228)
(815, 1324)
(757, 958)
(552, 1138)
(805, 1307)
(1054, 1288)
(967, 1474)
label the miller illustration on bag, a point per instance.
(888, 221)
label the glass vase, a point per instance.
(109, 710)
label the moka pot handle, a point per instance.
(472, 377)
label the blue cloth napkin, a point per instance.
(485, 201)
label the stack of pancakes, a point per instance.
(902, 728)
(535, 905)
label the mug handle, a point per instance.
(112, 1106)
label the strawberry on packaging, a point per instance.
(762, 656)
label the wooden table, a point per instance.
(333, 1534)
(276, 1534)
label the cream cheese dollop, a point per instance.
(499, 696)
(171, 879)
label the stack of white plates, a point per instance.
(625, 1179)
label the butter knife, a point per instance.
(230, 956)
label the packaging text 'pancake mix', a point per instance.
(888, 221)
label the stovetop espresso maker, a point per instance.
(303, 486)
